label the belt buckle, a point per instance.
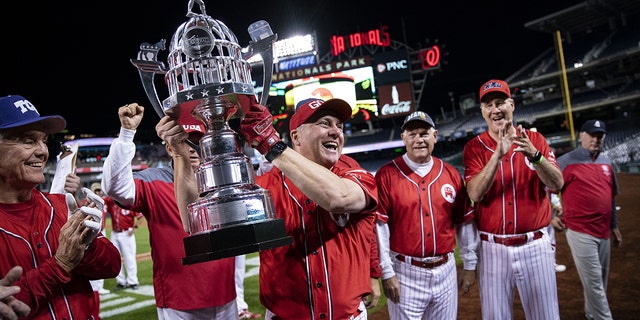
(515, 241)
(432, 264)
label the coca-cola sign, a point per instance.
(400, 108)
(395, 100)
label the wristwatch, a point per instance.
(537, 158)
(276, 150)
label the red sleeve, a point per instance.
(348, 168)
(472, 160)
(384, 185)
(376, 269)
(101, 260)
(37, 285)
(462, 209)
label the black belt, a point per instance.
(425, 264)
(515, 240)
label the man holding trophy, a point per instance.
(202, 291)
(325, 198)
(311, 216)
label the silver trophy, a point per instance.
(207, 70)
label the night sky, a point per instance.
(73, 57)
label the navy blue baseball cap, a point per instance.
(593, 126)
(418, 116)
(16, 111)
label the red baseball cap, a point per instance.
(194, 127)
(190, 123)
(314, 107)
(494, 86)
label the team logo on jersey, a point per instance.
(605, 170)
(448, 192)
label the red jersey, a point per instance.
(518, 201)
(374, 257)
(173, 282)
(29, 233)
(588, 192)
(310, 278)
(421, 211)
(176, 286)
(121, 219)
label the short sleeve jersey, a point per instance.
(517, 201)
(588, 191)
(325, 272)
(421, 211)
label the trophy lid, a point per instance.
(205, 61)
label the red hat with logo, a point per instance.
(194, 127)
(494, 86)
(190, 123)
(313, 108)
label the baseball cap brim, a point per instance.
(593, 130)
(48, 124)
(416, 121)
(339, 107)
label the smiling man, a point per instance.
(327, 201)
(588, 210)
(422, 201)
(509, 170)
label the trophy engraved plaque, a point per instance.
(207, 69)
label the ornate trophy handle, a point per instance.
(148, 66)
(262, 40)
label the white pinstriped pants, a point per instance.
(425, 293)
(529, 268)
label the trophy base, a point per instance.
(235, 240)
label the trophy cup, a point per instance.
(207, 70)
